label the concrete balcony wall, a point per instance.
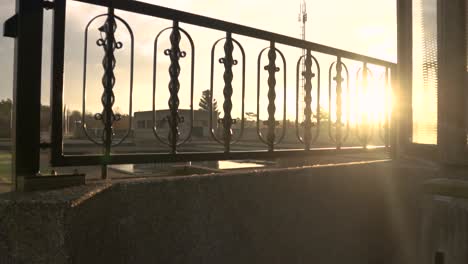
(445, 220)
(356, 213)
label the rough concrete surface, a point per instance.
(445, 220)
(357, 213)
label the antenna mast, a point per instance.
(302, 19)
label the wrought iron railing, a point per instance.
(307, 130)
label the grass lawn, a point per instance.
(5, 167)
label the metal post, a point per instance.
(56, 94)
(451, 103)
(27, 91)
(403, 89)
(26, 26)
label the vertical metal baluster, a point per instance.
(174, 86)
(339, 80)
(308, 100)
(365, 121)
(228, 62)
(272, 69)
(108, 81)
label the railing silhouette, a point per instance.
(338, 82)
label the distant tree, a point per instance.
(205, 102)
(74, 119)
(45, 118)
(324, 115)
(91, 121)
(5, 107)
(74, 116)
(5, 117)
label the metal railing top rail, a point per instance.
(207, 22)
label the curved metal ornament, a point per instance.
(108, 80)
(338, 138)
(228, 61)
(272, 69)
(174, 119)
(308, 124)
(271, 122)
(364, 135)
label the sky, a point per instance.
(364, 26)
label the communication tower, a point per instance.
(302, 19)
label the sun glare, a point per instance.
(364, 104)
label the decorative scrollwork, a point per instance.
(308, 99)
(228, 76)
(338, 138)
(227, 121)
(308, 123)
(109, 45)
(107, 117)
(174, 85)
(272, 69)
(271, 139)
(175, 54)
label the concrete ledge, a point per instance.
(445, 222)
(33, 225)
(354, 213)
(447, 187)
(41, 183)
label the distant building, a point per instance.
(143, 123)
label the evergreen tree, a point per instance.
(5, 107)
(5, 118)
(205, 102)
